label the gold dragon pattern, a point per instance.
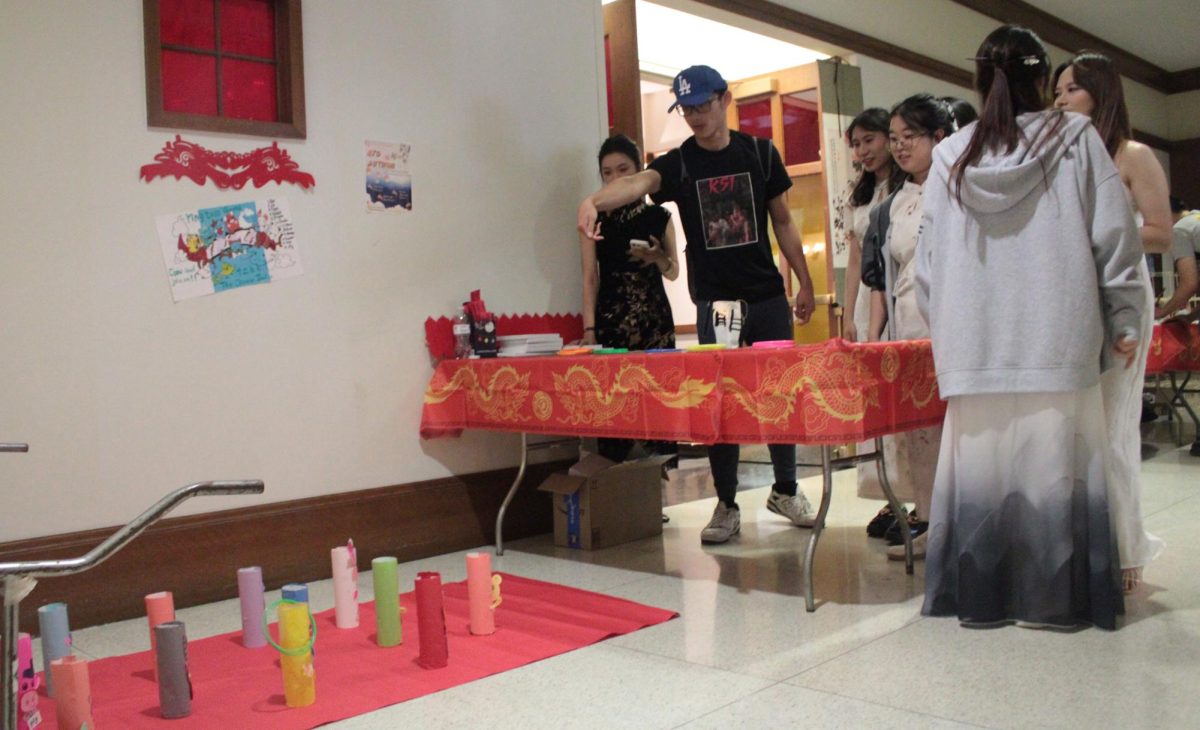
(501, 398)
(918, 383)
(586, 401)
(839, 385)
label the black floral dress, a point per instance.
(632, 309)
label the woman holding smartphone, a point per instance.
(624, 301)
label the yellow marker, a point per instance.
(299, 679)
(496, 600)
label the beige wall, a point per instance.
(315, 383)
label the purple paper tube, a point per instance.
(250, 591)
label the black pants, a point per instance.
(770, 319)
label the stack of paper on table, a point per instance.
(535, 344)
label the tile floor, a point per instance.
(744, 653)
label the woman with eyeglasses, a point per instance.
(917, 125)
(1088, 84)
(624, 301)
(878, 177)
(1027, 269)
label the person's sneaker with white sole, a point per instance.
(725, 523)
(896, 552)
(795, 507)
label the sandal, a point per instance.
(880, 523)
(1131, 578)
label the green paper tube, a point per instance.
(387, 601)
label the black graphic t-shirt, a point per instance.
(722, 199)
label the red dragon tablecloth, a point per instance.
(1175, 345)
(829, 393)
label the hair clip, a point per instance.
(1031, 60)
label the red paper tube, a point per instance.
(431, 621)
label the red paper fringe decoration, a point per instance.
(182, 158)
(439, 332)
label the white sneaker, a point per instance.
(896, 552)
(725, 523)
(796, 508)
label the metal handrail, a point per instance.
(18, 579)
(118, 540)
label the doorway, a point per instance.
(778, 93)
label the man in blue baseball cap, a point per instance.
(726, 184)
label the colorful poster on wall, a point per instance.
(389, 185)
(211, 250)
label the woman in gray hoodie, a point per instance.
(1027, 273)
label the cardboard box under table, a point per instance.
(607, 504)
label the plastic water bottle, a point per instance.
(462, 334)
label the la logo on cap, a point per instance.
(684, 87)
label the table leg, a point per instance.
(818, 526)
(1178, 397)
(512, 491)
(897, 507)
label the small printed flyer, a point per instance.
(389, 185)
(210, 250)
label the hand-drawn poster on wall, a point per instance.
(213, 249)
(389, 186)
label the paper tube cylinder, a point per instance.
(431, 621)
(299, 680)
(297, 592)
(345, 588)
(387, 602)
(28, 715)
(171, 663)
(55, 629)
(160, 608)
(72, 694)
(479, 594)
(250, 591)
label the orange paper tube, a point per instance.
(160, 608)
(72, 693)
(479, 594)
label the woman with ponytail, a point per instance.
(1028, 275)
(1088, 84)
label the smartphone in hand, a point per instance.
(639, 243)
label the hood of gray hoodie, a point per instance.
(1001, 180)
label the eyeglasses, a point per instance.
(905, 142)
(689, 109)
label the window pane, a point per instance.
(249, 90)
(801, 131)
(187, 23)
(248, 27)
(754, 117)
(189, 83)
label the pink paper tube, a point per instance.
(250, 591)
(431, 621)
(28, 714)
(479, 594)
(345, 587)
(160, 608)
(72, 693)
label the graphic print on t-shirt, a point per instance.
(727, 210)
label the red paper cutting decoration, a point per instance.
(227, 169)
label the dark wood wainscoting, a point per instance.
(197, 557)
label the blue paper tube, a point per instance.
(55, 629)
(297, 592)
